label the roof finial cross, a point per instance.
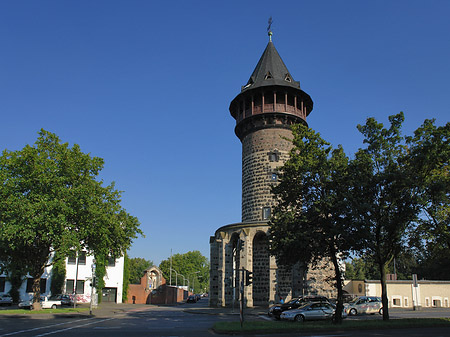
(269, 32)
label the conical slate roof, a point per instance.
(270, 70)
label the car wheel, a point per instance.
(380, 311)
(353, 312)
(299, 318)
(54, 306)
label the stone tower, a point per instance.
(264, 111)
(268, 104)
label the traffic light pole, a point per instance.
(241, 290)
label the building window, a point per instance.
(72, 258)
(266, 213)
(436, 303)
(80, 286)
(396, 302)
(82, 258)
(2, 284)
(405, 301)
(111, 262)
(268, 76)
(274, 156)
(43, 285)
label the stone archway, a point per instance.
(232, 265)
(260, 268)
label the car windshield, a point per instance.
(354, 300)
(304, 305)
(292, 301)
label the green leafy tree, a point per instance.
(137, 266)
(365, 268)
(430, 155)
(126, 277)
(310, 221)
(383, 199)
(51, 203)
(58, 276)
(359, 269)
(192, 265)
(15, 275)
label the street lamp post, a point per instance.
(176, 277)
(75, 281)
(193, 281)
(92, 286)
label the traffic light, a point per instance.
(248, 277)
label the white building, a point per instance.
(80, 269)
(405, 293)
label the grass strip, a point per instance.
(268, 327)
(43, 311)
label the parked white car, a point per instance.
(45, 303)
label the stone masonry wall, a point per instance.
(261, 272)
(263, 151)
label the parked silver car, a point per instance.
(309, 311)
(5, 299)
(364, 305)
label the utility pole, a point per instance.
(241, 304)
(92, 286)
(170, 267)
(75, 282)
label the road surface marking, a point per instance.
(42, 327)
(74, 327)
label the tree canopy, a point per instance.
(310, 221)
(430, 156)
(136, 267)
(391, 201)
(192, 265)
(52, 203)
(383, 202)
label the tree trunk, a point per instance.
(384, 298)
(37, 273)
(338, 276)
(37, 293)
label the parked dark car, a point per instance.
(191, 299)
(276, 310)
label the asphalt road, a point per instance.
(141, 321)
(188, 320)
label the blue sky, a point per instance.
(146, 85)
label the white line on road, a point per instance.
(73, 327)
(42, 327)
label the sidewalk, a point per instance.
(111, 309)
(226, 311)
